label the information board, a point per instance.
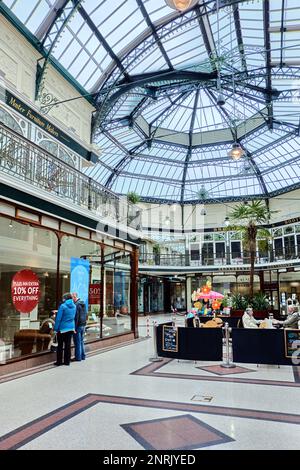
(292, 343)
(170, 339)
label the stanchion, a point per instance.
(155, 357)
(148, 326)
(227, 363)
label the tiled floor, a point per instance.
(119, 400)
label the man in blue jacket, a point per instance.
(65, 327)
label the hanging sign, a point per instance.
(94, 294)
(80, 279)
(25, 291)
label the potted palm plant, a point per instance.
(132, 198)
(248, 218)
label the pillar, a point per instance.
(134, 273)
(188, 292)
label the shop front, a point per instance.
(289, 289)
(38, 265)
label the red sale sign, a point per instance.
(94, 294)
(25, 291)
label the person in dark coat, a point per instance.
(80, 324)
(64, 327)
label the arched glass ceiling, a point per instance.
(157, 75)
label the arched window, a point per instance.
(9, 121)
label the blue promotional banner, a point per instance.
(80, 278)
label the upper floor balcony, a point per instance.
(26, 162)
(213, 260)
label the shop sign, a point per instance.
(94, 294)
(15, 103)
(25, 291)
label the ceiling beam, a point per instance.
(189, 152)
(269, 103)
(102, 40)
(154, 32)
(239, 35)
(49, 21)
(282, 31)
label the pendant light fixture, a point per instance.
(236, 151)
(226, 221)
(181, 5)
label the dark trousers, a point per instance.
(64, 343)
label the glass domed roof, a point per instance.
(174, 91)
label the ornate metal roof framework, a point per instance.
(155, 73)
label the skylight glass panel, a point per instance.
(30, 12)
(157, 9)
(252, 26)
(152, 62)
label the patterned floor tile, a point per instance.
(179, 432)
(218, 370)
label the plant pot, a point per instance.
(260, 314)
(236, 313)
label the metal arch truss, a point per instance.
(227, 199)
(285, 132)
(51, 38)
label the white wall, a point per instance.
(154, 215)
(287, 205)
(18, 62)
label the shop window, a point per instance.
(28, 271)
(116, 284)
(220, 250)
(208, 236)
(219, 237)
(195, 252)
(298, 243)
(289, 247)
(277, 232)
(235, 236)
(289, 229)
(51, 147)
(278, 247)
(9, 121)
(236, 250)
(207, 253)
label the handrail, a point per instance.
(229, 259)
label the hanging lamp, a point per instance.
(181, 5)
(236, 151)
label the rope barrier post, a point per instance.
(227, 362)
(148, 326)
(155, 357)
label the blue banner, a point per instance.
(80, 278)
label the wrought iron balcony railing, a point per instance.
(232, 258)
(28, 162)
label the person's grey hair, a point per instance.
(249, 309)
(67, 296)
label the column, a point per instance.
(188, 292)
(134, 265)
